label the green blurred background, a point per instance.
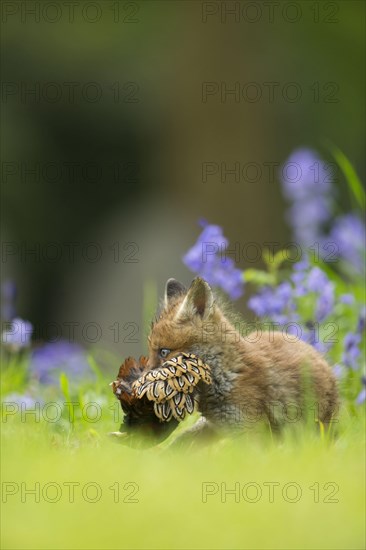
(117, 132)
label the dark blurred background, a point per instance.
(120, 123)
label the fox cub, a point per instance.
(257, 377)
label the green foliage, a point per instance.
(354, 184)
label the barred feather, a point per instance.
(172, 387)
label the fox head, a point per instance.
(187, 321)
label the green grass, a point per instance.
(159, 503)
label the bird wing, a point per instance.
(172, 386)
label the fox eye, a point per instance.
(164, 352)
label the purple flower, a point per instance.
(19, 334)
(361, 397)
(302, 265)
(347, 299)
(298, 277)
(280, 306)
(209, 243)
(306, 183)
(208, 259)
(338, 370)
(325, 302)
(274, 302)
(310, 336)
(259, 303)
(309, 213)
(304, 174)
(320, 346)
(48, 361)
(349, 235)
(361, 320)
(352, 344)
(223, 274)
(316, 280)
(308, 187)
(351, 350)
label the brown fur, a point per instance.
(257, 378)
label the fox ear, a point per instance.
(173, 289)
(199, 300)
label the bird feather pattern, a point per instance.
(173, 386)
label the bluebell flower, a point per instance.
(48, 361)
(313, 210)
(284, 292)
(259, 303)
(308, 187)
(302, 265)
(223, 274)
(347, 299)
(307, 184)
(321, 346)
(338, 370)
(299, 281)
(207, 258)
(210, 242)
(361, 398)
(316, 280)
(276, 303)
(349, 235)
(280, 306)
(361, 320)
(325, 302)
(309, 214)
(18, 336)
(352, 344)
(351, 351)
(299, 274)
(304, 174)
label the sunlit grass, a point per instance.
(188, 498)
